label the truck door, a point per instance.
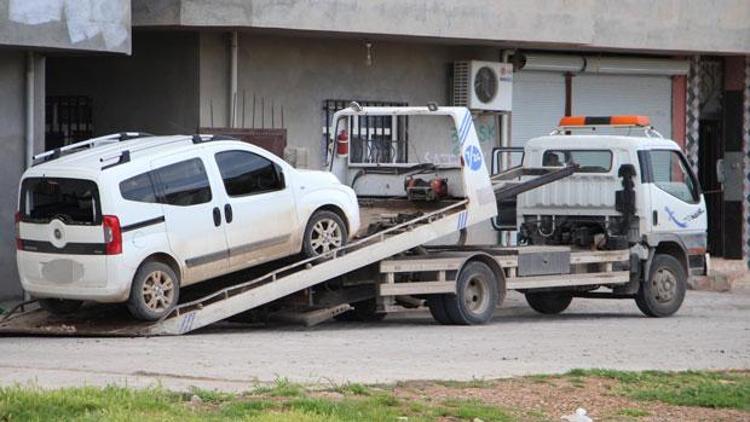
(677, 205)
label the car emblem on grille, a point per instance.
(58, 234)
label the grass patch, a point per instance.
(281, 387)
(352, 388)
(632, 412)
(691, 388)
(471, 409)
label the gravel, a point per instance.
(712, 331)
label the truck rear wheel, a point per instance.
(437, 308)
(549, 303)
(476, 295)
(662, 294)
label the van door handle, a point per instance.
(228, 213)
(217, 217)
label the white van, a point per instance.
(131, 218)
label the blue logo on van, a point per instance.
(473, 157)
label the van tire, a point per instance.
(155, 291)
(476, 295)
(664, 291)
(549, 303)
(60, 306)
(312, 244)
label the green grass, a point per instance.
(282, 402)
(632, 412)
(690, 388)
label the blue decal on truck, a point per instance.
(473, 157)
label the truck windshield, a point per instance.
(73, 201)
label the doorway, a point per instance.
(711, 147)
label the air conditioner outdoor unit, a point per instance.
(483, 86)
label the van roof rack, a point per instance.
(200, 138)
(87, 144)
(570, 123)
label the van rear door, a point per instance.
(61, 238)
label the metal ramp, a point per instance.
(103, 320)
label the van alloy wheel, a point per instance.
(326, 236)
(158, 291)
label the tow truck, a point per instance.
(596, 216)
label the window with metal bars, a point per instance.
(68, 120)
(373, 139)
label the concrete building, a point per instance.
(31, 32)
(264, 63)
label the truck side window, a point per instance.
(589, 161)
(245, 173)
(671, 174)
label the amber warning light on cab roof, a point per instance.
(619, 120)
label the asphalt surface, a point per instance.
(712, 331)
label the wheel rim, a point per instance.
(158, 291)
(326, 235)
(664, 285)
(476, 294)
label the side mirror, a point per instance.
(721, 174)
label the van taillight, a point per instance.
(19, 241)
(112, 235)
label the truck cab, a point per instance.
(628, 191)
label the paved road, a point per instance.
(711, 331)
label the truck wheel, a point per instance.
(325, 232)
(662, 294)
(60, 306)
(549, 303)
(154, 292)
(436, 304)
(476, 295)
(364, 311)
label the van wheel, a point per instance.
(60, 306)
(662, 294)
(155, 291)
(476, 295)
(549, 303)
(325, 232)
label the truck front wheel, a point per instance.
(549, 303)
(662, 293)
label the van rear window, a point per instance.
(74, 201)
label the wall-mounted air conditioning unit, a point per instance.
(483, 86)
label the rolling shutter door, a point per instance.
(538, 104)
(604, 95)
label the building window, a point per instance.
(373, 139)
(68, 120)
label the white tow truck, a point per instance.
(599, 216)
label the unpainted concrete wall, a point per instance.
(299, 74)
(715, 26)
(101, 25)
(13, 151)
(154, 90)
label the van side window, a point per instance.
(139, 188)
(245, 173)
(183, 184)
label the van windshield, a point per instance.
(73, 201)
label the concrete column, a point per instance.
(746, 163)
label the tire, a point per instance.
(60, 306)
(476, 295)
(664, 291)
(320, 237)
(549, 303)
(364, 311)
(155, 291)
(436, 305)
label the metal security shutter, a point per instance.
(604, 95)
(538, 104)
